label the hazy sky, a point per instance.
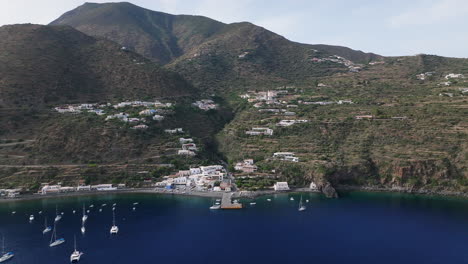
(386, 27)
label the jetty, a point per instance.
(226, 202)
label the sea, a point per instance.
(357, 228)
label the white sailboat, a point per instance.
(85, 217)
(5, 255)
(302, 207)
(114, 229)
(291, 199)
(57, 215)
(47, 228)
(53, 239)
(76, 255)
(83, 229)
(31, 218)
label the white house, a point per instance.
(140, 127)
(158, 118)
(147, 112)
(185, 152)
(260, 131)
(454, 76)
(313, 186)
(281, 186)
(286, 156)
(185, 140)
(180, 181)
(174, 131)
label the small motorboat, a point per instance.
(269, 200)
(100, 209)
(134, 208)
(31, 218)
(40, 212)
(253, 203)
(136, 203)
(291, 199)
(14, 212)
(215, 207)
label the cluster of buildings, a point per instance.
(188, 147)
(155, 104)
(286, 156)
(257, 131)
(51, 189)
(286, 123)
(205, 104)
(246, 165)
(338, 59)
(202, 178)
(340, 102)
(78, 108)
(124, 117)
(9, 193)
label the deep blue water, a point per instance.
(358, 228)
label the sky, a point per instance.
(385, 27)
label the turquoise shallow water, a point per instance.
(358, 228)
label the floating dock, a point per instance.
(226, 202)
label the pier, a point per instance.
(226, 202)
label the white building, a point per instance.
(174, 131)
(189, 146)
(158, 118)
(140, 127)
(185, 140)
(286, 123)
(313, 186)
(147, 112)
(256, 131)
(454, 76)
(186, 152)
(286, 156)
(281, 186)
(180, 181)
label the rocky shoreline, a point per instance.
(402, 190)
(329, 192)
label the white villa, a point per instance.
(281, 186)
(286, 123)
(185, 152)
(185, 140)
(454, 76)
(174, 131)
(286, 156)
(256, 131)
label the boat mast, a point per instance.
(75, 241)
(113, 218)
(3, 245)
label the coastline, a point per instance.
(404, 190)
(239, 194)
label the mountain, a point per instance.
(214, 56)
(43, 65)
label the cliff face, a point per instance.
(417, 175)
